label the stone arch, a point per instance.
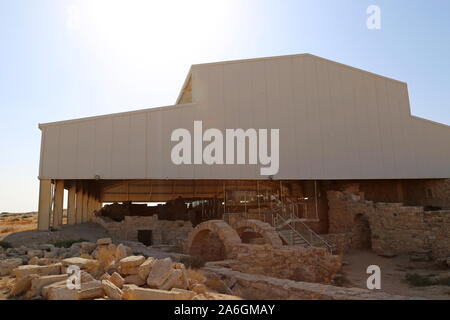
(257, 227)
(212, 240)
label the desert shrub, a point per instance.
(195, 276)
(67, 243)
(418, 280)
(193, 262)
(5, 244)
(444, 281)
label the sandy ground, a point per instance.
(17, 222)
(393, 271)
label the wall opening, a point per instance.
(361, 233)
(248, 235)
(207, 244)
(145, 237)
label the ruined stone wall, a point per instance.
(393, 226)
(341, 242)
(287, 262)
(259, 287)
(163, 231)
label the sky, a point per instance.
(65, 59)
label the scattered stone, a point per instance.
(86, 277)
(183, 281)
(117, 280)
(49, 254)
(47, 247)
(159, 273)
(21, 285)
(172, 280)
(91, 290)
(104, 241)
(136, 293)
(61, 293)
(89, 265)
(184, 294)
(43, 261)
(200, 297)
(122, 251)
(6, 266)
(51, 269)
(83, 263)
(35, 253)
(111, 290)
(38, 283)
(129, 265)
(87, 247)
(75, 249)
(134, 279)
(105, 276)
(144, 269)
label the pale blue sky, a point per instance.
(63, 59)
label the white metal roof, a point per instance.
(335, 121)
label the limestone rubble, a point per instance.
(107, 271)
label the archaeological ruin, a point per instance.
(357, 171)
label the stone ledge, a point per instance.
(252, 286)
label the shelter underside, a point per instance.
(200, 200)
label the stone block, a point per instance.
(136, 293)
(21, 285)
(50, 269)
(159, 273)
(82, 263)
(91, 290)
(172, 280)
(130, 265)
(104, 241)
(117, 280)
(134, 279)
(111, 290)
(38, 283)
(7, 266)
(144, 268)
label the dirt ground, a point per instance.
(393, 271)
(17, 222)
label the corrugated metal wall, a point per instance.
(335, 122)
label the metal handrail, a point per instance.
(313, 236)
(316, 237)
(293, 229)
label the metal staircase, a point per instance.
(293, 230)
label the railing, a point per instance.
(288, 224)
(314, 239)
(289, 217)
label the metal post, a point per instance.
(315, 199)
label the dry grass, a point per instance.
(11, 223)
(195, 276)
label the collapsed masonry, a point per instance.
(246, 249)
